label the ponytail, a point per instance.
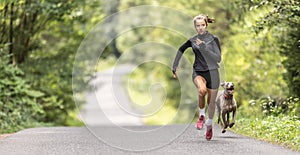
(210, 20)
(205, 17)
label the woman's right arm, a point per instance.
(179, 54)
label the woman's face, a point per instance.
(200, 26)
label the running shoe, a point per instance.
(200, 122)
(209, 132)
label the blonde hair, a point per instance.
(205, 17)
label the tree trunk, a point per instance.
(3, 39)
(12, 60)
(111, 7)
(115, 48)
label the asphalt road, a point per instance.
(78, 140)
(114, 127)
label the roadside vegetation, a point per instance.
(272, 121)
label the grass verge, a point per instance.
(282, 130)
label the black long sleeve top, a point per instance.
(207, 54)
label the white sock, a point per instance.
(208, 122)
(202, 111)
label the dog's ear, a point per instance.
(223, 84)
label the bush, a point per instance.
(19, 102)
(53, 76)
(275, 107)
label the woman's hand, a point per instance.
(198, 41)
(174, 73)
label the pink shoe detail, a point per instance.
(209, 132)
(200, 122)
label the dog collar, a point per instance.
(227, 97)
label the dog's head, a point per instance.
(228, 87)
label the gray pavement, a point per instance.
(78, 140)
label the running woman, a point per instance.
(206, 48)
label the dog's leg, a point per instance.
(219, 111)
(219, 118)
(233, 117)
(221, 123)
(228, 114)
(233, 113)
(224, 112)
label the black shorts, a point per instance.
(211, 76)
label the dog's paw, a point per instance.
(231, 125)
(225, 126)
(223, 130)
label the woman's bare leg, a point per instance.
(211, 101)
(200, 83)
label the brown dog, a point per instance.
(226, 104)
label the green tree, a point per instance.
(283, 16)
(49, 67)
(22, 21)
(43, 38)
